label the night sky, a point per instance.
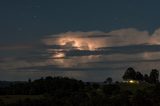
(84, 39)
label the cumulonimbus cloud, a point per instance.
(155, 37)
(90, 44)
(96, 39)
(83, 51)
(71, 49)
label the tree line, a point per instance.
(64, 91)
(131, 74)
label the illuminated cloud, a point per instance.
(72, 49)
(128, 36)
(91, 41)
(155, 37)
(77, 40)
(85, 52)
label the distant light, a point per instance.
(131, 81)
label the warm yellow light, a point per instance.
(131, 81)
(59, 55)
(79, 43)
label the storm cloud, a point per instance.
(80, 54)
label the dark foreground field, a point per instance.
(60, 91)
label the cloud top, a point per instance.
(96, 39)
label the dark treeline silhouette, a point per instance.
(63, 91)
(131, 74)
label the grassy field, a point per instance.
(9, 99)
(134, 87)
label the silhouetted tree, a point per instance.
(154, 75)
(96, 85)
(129, 74)
(29, 80)
(108, 80)
(146, 78)
(139, 76)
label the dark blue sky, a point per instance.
(29, 20)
